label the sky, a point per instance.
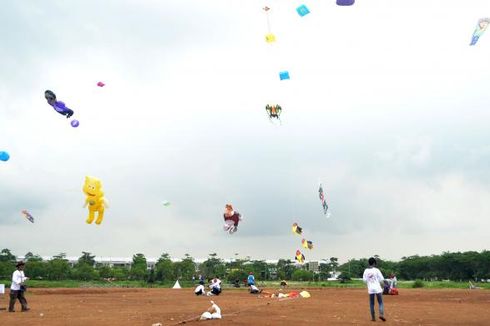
(387, 106)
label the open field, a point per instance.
(332, 306)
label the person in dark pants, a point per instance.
(373, 277)
(18, 288)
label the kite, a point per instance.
(166, 203)
(269, 37)
(324, 202)
(345, 2)
(75, 123)
(302, 10)
(274, 111)
(479, 30)
(231, 218)
(297, 229)
(58, 106)
(100, 84)
(4, 156)
(299, 257)
(307, 244)
(28, 216)
(283, 75)
(95, 199)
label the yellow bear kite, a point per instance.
(95, 199)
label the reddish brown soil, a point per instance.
(325, 307)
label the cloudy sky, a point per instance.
(387, 106)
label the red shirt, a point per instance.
(235, 217)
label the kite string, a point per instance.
(196, 318)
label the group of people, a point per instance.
(215, 286)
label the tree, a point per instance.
(164, 268)
(58, 268)
(87, 258)
(36, 267)
(31, 257)
(302, 275)
(139, 268)
(186, 268)
(333, 264)
(213, 266)
(7, 256)
(85, 272)
(285, 269)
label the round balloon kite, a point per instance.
(345, 2)
(4, 156)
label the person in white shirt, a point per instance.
(215, 287)
(373, 277)
(200, 289)
(17, 288)
(254, 290)
(213, 312)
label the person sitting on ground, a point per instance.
(200, 289)
(254, 290)
(393, 281)
(284, 283)
(215, 286)
(213, 312)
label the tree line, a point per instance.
(458, 266)
(454, 266)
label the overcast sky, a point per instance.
(387, 106)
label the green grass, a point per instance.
(268, 284)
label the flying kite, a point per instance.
(302, 10)
(299, 257)
(231, 218)
(297, 229)
(479, 30)
(28, 216)
(284, 75)
(307, 244)
(322, 199)
(345, 2)
(95, 199)
(274, 111)
(58, 106)
(269, 37)
(166, 203)
(100, 84)
(4, 156)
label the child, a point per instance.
(200, 289)
(372, 277)
(231, 219)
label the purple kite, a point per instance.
(58, 106)
(28, 216)
(345, 2)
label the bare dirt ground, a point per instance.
(327, 306)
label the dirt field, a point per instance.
(169, 307)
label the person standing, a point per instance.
(373, 277)
(250, 279)
(18, 288)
